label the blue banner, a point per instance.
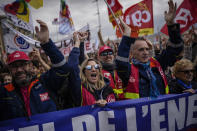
(166, 113)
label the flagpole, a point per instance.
(2, 46)
(98, 12)
(114, 17)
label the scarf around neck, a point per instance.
(154, 92)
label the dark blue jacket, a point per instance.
(45, 89)
(166, 58)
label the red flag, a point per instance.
(185, 16)
(140, 16)
(117, 10)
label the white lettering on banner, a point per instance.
(139, 17)
(191, 109)
(88, 120)
(156, 118)
(145, 110)
(48, 126)
(104, 122)
(45, 127)
(184, 15)
(131, 119)
(20, 23)
(30, 128)
(176, 115)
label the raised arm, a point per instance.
(175, 43)
(122, 59)
(54, 78)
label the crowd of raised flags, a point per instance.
(139, 16)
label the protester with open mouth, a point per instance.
(106, 57)
(95, 90)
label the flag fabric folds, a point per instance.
(117, 10)
(185, 16)
(66, 23)
(19, 15)
(35, 3)
(20, 9)
(140, 18)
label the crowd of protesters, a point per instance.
(134, 68)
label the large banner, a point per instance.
(167, 113)
(14, 40)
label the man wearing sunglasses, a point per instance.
(183, 71)
(144, 76)
(27, 96)
(106, 57)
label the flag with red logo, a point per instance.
(19, 14)
(140, 18)
(185, 16)
(65, 19)
(117, 10)
(18, 8)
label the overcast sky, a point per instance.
(84, 11)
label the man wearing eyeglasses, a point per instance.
(183, 71)
(27, 96)
(106, 57)
(144, 76)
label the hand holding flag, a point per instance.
(126, 28)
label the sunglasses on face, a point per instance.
(89, 67)
(187, 71)
(106, 53)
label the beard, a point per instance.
(21, 82)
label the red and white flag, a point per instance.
(140, 18)
(185, 16)
(117, 10)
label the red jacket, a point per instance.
(89, 97)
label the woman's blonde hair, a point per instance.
(84, 81)
(181, 65)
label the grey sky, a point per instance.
(84, 11)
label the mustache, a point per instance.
(19, 73)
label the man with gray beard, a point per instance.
(26, 95)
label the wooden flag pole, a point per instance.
(114, 17)
(2, 47)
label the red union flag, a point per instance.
(116, 8)
(185, 16)
(140, 16)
